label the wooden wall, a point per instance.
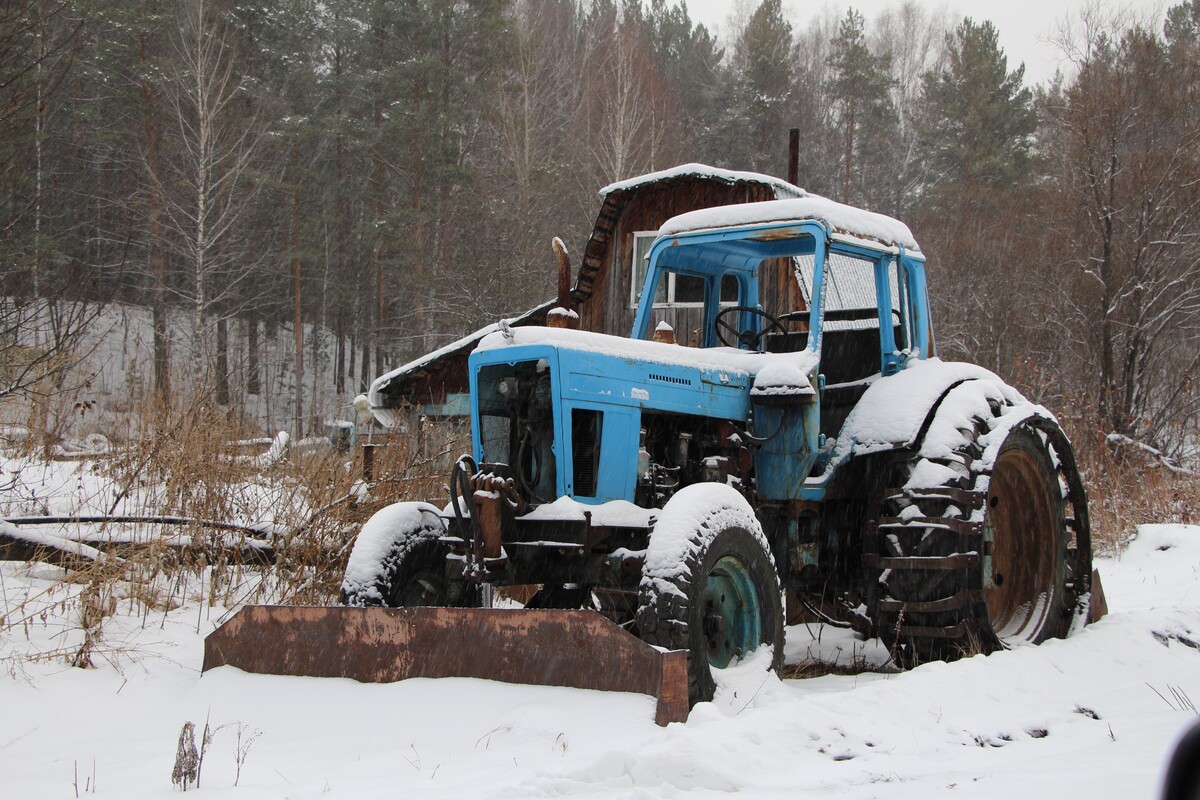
(646, 208)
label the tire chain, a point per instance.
(924, 581)
(921, 559)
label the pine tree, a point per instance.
(978, 117)
(690, 60)
(1183, 24)
(860, 89)
(751, 94)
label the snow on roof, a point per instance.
(375, 395)
(782, 188)
(843, 220)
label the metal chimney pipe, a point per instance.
(793, 170)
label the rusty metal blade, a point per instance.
(581, 649)
(1098, 605)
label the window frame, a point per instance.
(639, 268)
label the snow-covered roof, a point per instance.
(845, 221)
(375, 395)
(782, 188)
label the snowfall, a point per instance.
(1093, 716)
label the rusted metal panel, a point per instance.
(1098, 603)
(581, 649)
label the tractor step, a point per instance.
(960, 526)
(581, 649)
(960, 600)
(963, 498)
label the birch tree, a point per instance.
(215, 135)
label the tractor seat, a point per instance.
(791, 342)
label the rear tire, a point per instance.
(710, 585)
(1025, 530)
(997, 556)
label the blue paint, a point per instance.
(621, 388)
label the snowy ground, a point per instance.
(1091, 717)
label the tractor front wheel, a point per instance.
(710, 585)
(399, 562)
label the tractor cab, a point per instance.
(803, 276)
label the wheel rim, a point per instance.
(732, 612)
(1021, 528)
(426, 588)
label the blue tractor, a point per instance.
(681, 483)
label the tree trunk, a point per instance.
(222, 361)
(849, 157)
(339, 370)
(158, 261)
(1108, 379)
(253, 379)
(339, 358)
(297, 315)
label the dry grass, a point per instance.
(181, 463)
(178, 462)
(1127, 488)
(817, 668)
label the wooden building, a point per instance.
(606, 290)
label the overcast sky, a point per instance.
(1026, 26)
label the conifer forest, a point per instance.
(392, 172)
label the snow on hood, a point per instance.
(843, 220)
(786, 376)
(615, 513)
(782, 188)
(740, 362)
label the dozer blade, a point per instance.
(581, 649)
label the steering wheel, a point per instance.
(748, 338)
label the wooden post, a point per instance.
(368, 471)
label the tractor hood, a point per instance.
(767, 374)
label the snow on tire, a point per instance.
(984, 543)
(709, 585)
(397, 559)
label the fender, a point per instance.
(896, 409)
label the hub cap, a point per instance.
(732, 612)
